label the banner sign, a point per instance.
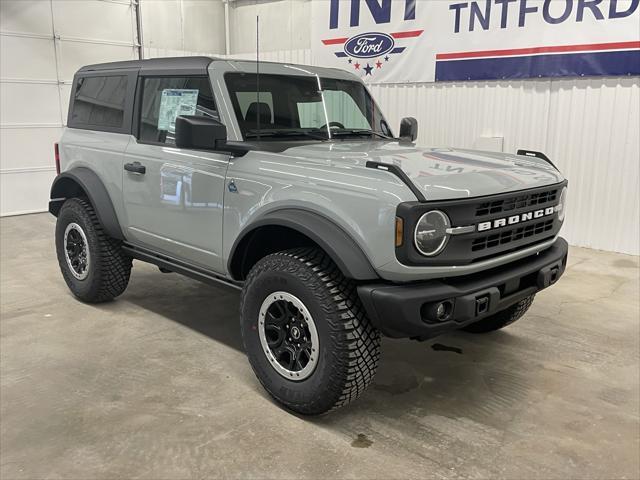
(400, 41)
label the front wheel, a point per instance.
(305, 332)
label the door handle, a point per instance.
(135, 167)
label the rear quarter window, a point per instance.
(99, 101)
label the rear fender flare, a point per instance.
(82, 180)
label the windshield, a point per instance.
(296, 106)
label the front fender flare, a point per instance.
(66, 186)
(336, 243)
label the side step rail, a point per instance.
(167, 263)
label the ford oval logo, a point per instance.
(369, 45)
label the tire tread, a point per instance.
(355, 360)
(113, 265)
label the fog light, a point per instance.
(437, 312)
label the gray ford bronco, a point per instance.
(286, 182)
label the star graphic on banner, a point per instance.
(386, 59)
(357, 66)
(378, 64)
(350, 61)
(368, 69)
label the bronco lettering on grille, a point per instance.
(512, 220)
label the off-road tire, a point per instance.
(109, 267)
(349, 346)
(501, 319)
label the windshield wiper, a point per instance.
(358, 132)
(284, 133)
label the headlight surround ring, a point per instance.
(430, 236)
(561, 208)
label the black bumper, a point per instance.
(410, 310)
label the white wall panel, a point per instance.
(73, 55)
(28, 148)
(184, 25)
(26, 17)
(27, 58)
(284, 24)
(42, 44)
(162, 24)
(203, 26)
(94, 20)
(42, 106)
(26, 190)
(594, 127)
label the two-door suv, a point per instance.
(286, 182)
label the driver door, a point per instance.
(173, 197)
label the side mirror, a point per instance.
(409, 128)
(199, 132)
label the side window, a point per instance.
(99, 102)
(164, 98)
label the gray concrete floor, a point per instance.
(155, 385)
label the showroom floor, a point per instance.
(155, 385)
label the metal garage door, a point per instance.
(42, 44)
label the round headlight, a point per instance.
(431, 234)
(561, 208)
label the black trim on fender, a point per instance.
(64, 186)
(398, 172)
(336, 243)
(533, 153)
(408, 310)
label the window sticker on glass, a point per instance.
(176, 102)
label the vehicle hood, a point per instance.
(439, 173)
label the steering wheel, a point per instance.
(332, 125)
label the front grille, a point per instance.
(516, 203)
(475, 246)
(507, 236)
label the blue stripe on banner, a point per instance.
(559, 65)
(398, 50)
(340, 54)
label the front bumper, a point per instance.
(409, 310)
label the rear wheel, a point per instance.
(305, 332)
(501, 319)
(94, 266)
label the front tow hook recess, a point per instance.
(482, 305)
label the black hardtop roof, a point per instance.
(189, 65)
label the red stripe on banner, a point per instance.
(533, 50)
(412, 33)
(335, 41)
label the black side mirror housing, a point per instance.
(199, 132)
(408, 129)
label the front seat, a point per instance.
(251, 117)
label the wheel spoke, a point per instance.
(302, 358)
(275, 320)
(285, 356)
(275, 335)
